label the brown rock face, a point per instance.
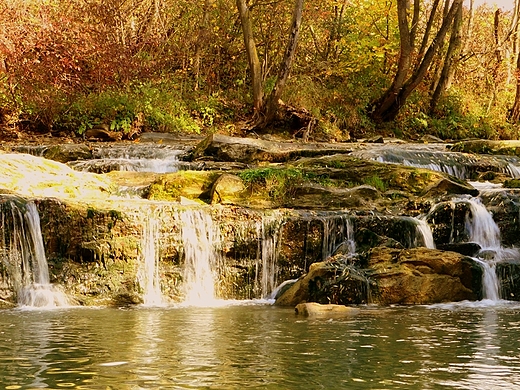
(423, 276)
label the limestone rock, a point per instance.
(423, 276)
(319, 197)
(226, 189)
(68, 152)
(484, 146)
(449, 186)
(250, 150)
(327, 282)
(313, 309)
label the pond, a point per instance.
(460, 346)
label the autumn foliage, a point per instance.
(68, 65)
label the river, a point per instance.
(461, 346)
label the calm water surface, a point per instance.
(235, 347)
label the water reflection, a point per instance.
(261, 347)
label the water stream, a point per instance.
(483, 230)
(148, 274)
(131, 157)
(200, 238)
(24, 255)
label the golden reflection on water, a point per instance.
(260, 347)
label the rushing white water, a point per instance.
(131, 157)
(26, 260)
(268, 233)
(425, 232)
(148, 274)
(200, 237)
(483, 230)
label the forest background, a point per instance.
(67, 66)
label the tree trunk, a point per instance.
(201, 41)
(403, 66)
(514, 113)
(272, 104)
(252, 56)
(450, 61)
(388, 106)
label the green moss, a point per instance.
(513, 183)
(188, 184)
(279, 183)
(376, 182)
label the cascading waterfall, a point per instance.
(148, 274)
(338, 231)
(483, 230)
(200, 237)
(24, 257)
(424, 231)
(268, 233)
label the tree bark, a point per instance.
(252, 56)
(514, 112)
(272, 104)
(388, 106)
(450, 61)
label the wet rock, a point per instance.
(67, 152)
(509, 275)
(449, 186)
(327, 282)
(507, 147)
(317, 197)
(227, 189)
(312, 309)
(102, 133)
(430, 139)
(464, 248)
(249, 150)
(423, 276)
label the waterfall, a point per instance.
(24, 257)
(483, 230)
(148, 274)
(338, 232)
(199, 236)
(424, 231)
(268, 233)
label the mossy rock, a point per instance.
(187, 184)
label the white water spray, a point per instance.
(148, 275)
(26, 261)
(425, 232)
(200, 236)
(268, 233)
(483, 230)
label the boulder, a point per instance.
(423, 276)
(331, 281)
(67, 152)
(312, 309)
(227, 189)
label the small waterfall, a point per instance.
(483, 230)
(200, 237)
(131, 157)
(268, 233)
(24, 257)
(338, 232)
(148, 274)
(424, 231)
